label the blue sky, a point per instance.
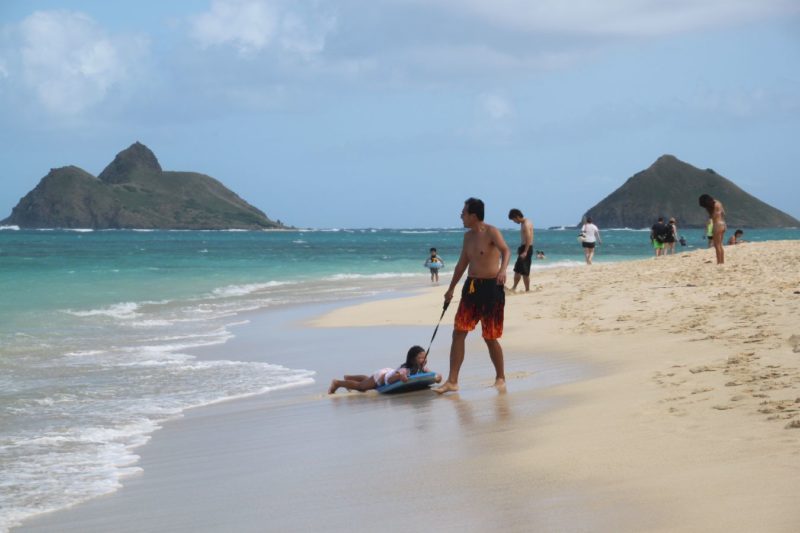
(389, 113)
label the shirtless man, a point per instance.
(486, 255)
(522, 268)
(716, 211)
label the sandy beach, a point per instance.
(650, 395)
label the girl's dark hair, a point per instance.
(514, 213)
(411, 360)
(707, 201)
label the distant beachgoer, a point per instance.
(590, 238)
(717, 213)
(658, 236)
(540, 254)
(682, 240)
(415, 363)
(710, 233)
(484, 256)
(737, 237)
(434, 263)
(672, 236)
(522, 268)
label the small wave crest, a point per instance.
(382, 275)
(123, 310)
(250, 288)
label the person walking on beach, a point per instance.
(658, 236)
(484, 256)
(591, 238)
(717, 213)
(522, 268)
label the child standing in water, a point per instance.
(415, 363)
(434, 263)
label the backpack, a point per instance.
(661, 232)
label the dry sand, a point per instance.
(694, 420)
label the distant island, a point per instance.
(134, 193)
(670, 188)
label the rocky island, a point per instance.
(134, 192)
(670, 188)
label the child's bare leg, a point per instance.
(362, 385)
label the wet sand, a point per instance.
(303, 460)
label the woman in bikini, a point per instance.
(717, 213)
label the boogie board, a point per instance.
(434, 265)
(420, 381)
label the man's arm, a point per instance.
(505, 254)
(458, 271)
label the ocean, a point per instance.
(96, 329)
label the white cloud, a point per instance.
(247, 25)
(252, 26)
(70, 63)
(616, 17)
(496, 106)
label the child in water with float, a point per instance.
(434, 263)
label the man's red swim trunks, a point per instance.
(481, 300)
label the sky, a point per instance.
(390, 113)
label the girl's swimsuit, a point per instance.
(380, 375)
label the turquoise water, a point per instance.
(95, 327)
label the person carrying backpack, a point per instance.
(658, 235)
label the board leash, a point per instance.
(444, 310)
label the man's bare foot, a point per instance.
(447, 387)
(333, 387)
(500, 385)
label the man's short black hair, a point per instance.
(515, 213)
(433, 249)
(474, 207)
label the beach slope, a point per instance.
(693, 417)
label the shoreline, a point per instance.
(674, 412)
(187, 461)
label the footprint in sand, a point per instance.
(794, 342)
(698, 369)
